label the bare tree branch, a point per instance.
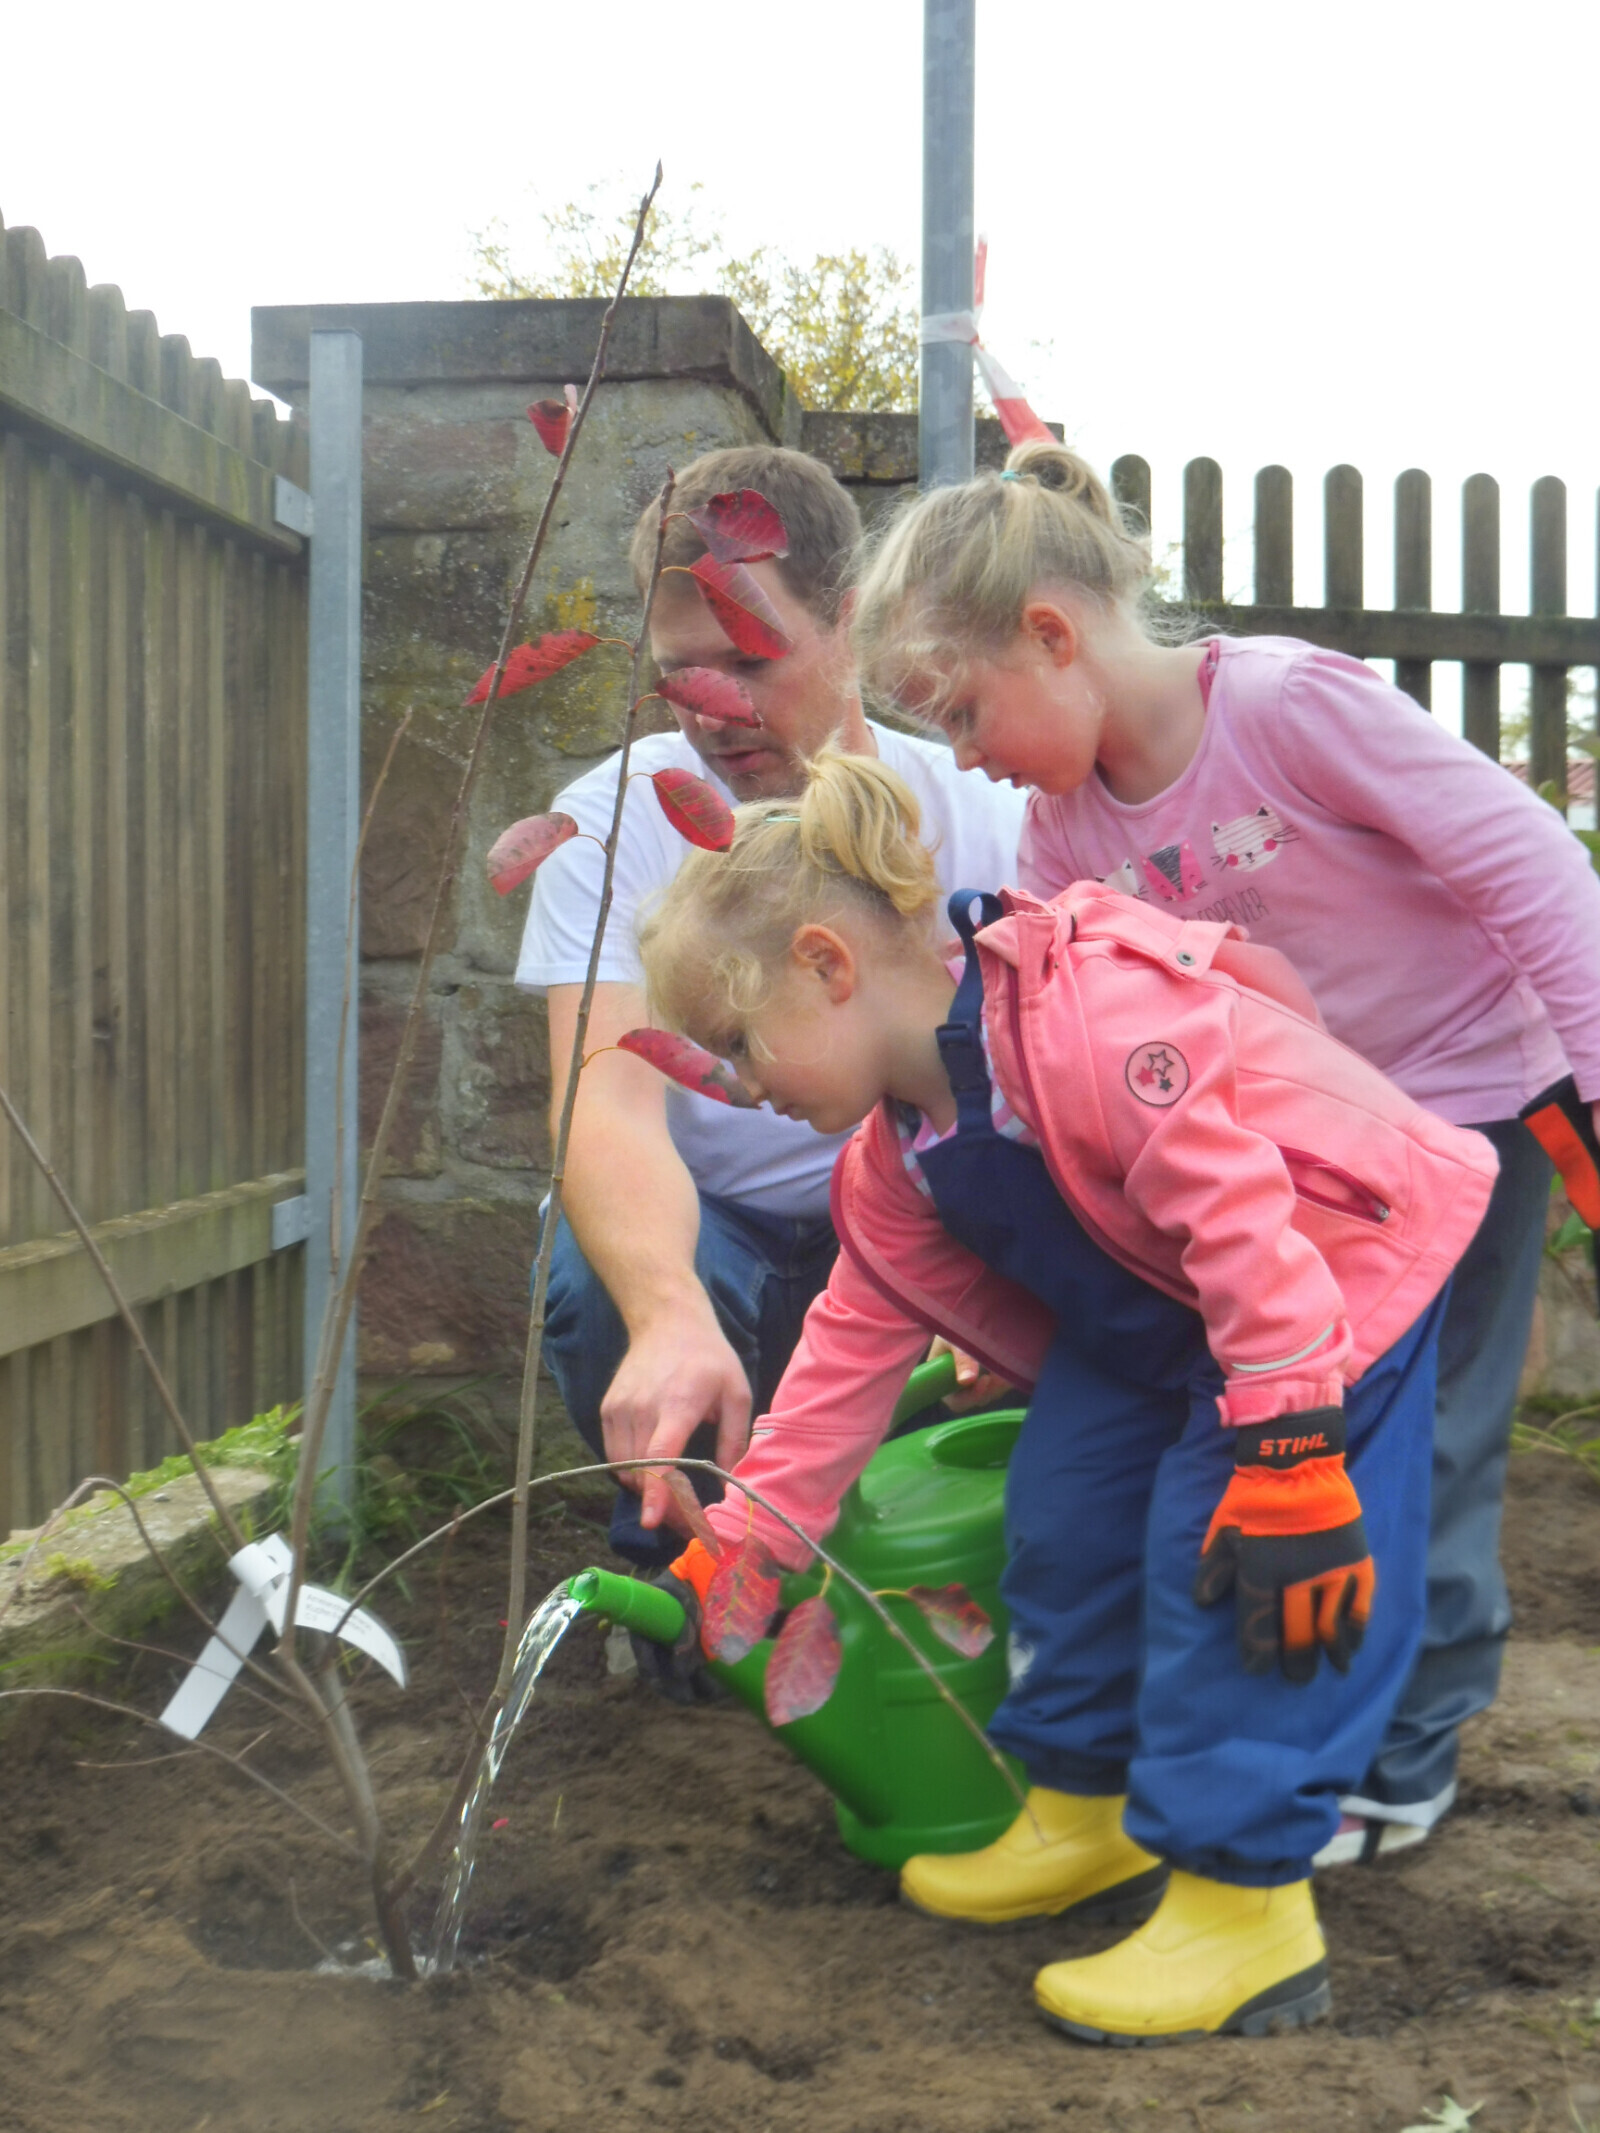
(527, 1426)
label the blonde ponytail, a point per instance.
(953, 570)
(717, 941)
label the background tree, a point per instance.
(844, 327)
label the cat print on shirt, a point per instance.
(1173, 871)
(1123, 879)
(1251, 840)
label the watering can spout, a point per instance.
(637, 1606)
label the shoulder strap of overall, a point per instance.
(960, 1042)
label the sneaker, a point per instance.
(1360, 1839)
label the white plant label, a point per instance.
(262, 1569)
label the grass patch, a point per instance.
(1550, 1424)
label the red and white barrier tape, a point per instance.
(1017, 418)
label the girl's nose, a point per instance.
(967, 756)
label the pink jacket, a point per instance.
(1208, 1134)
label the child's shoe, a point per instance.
(1360, 1839)
(1213, 1958)
(1062, 1853)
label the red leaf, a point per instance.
(688, 1064)
(521, 850)
(740, 527)
(694, 808)
(746, 617)
(740, 1601)
(804, 1664)
(536, 662)
(708, 694)
(695, 1521)
(552, 419)
(955, 1618)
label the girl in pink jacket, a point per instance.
(1445, 921)
(1123, 1163)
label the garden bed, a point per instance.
(666, 1933)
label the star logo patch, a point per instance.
(1157, 1073)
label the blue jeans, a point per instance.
(1481, 1350)
(760, 1271)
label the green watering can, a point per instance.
(905, 1774)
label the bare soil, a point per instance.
(667, 1934)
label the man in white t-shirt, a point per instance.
(694, 1236)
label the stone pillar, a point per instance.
(454, 479)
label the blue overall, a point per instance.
(1120, 1682)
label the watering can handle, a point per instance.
(930, 1382)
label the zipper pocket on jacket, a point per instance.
(1332, 1187)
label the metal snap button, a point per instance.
(1185, 958)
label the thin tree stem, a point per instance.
(527, 1421)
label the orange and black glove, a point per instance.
(1563, 1125)
(1289, 1541)
(678, 1671)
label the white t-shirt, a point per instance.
(775, 1164)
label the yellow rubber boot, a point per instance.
(1063, 1853)
(1213, 1958)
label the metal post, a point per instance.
(944, 414)
(333, 815)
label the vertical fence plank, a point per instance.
(1343, 564)
(34, 992)
(27, 269)
(1413, 571)
(1202, 530)
(1480, 595)
(13, 589)
(1547, 739)
(161, 885)
(1274, 537)
(1130, 485)
(108, 329)
(66, 310)
(144, 353)
(88, 597)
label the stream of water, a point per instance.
(547, 1625)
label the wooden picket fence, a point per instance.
(1413, 633)
(152, 767)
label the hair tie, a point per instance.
(780, 818)
(1010, 474)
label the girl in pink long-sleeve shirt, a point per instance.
(1444, 919)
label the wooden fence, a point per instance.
(1413, 633)
(152, 720)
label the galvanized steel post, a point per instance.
(333, 816)
(944, 413)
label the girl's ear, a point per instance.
(820, 953)
(1050, 629)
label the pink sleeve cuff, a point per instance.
(1250, 1401)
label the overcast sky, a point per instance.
(1267, 232)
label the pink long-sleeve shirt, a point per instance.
(1443, 916)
